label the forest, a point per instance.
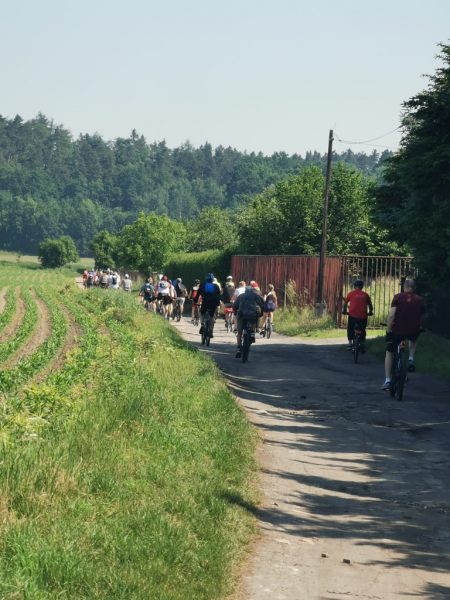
(52, 185)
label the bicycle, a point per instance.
(148, 305)
(246, 341)
(357, 341)
(229, 320)
(176, 312)
(398, 372)
(268, 327)
(206, 333)
(196, 318)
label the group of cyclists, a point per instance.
(105, 279)
(405, 322)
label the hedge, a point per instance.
(191, 266)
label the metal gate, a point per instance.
(383, 277)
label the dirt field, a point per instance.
(347, 474)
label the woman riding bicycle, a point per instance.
(270, 304)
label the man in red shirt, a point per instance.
(359, 303)
(405, 321)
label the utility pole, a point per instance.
(321, 305)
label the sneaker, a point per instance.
(262, 332)
(411, 368)
(350, 348)
(202, 329)
(252, 338)
(238, 352)
(386, 385)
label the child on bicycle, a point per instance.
(359, 303)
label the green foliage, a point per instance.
(287, 217)
(196, 265)
(213, 229)
(57, 253)
(416, 197)
(51, 184)
(103, 247)
(148, 244)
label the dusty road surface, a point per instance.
(347, 473)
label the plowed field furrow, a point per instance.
(41, 332)
(17, 317)
(3, 300)
(26, 329)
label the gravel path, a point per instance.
(347, 473)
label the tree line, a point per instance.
(52, 185)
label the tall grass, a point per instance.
(144, 491)
(196, 265)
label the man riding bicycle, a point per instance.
(164, 293)
(194, 296)
(248, 307)
(359, 303)
(209, 292)
(180, 293)
(405, 321)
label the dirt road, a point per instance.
(346, 472)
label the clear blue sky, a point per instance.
(252, 74)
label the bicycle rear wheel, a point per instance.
(356, 349)
(245, 344)
(394, 376)
(268, 327)
(401, 376)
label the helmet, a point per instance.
(179, 280)
(164, 278)
(358, 284)
(170, 281)
(254, 284)
(197, 282)
(209, 277)
(127, 276)
(229, 278)
(147, 280)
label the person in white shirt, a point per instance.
(241, 289)
(127, 284)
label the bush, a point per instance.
(195, 266)
(57, 253)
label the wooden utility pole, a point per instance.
(321, 306)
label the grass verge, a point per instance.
(303, 323)
(432, 356)
(141, 487)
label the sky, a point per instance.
(256, 75)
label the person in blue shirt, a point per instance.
(210, 295)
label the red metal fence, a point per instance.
(302, 269)
(383, 277)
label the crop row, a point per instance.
(13, 379)
(25, 330)
(10, 308)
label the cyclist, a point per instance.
(209, 292)
(248, 307)
(405, 321)
(237, 292)
(104, 280)
(194, 296)
(257, 290)
(126, 283)
(359, 303)
(180, 293)
(270, 304)
(85, 277)
(164, 293)
(147, 291)
(228, 293)
(115, 281)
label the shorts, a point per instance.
(227, 304)
(269, 307)
(241, 321)
(211, 307)
(180, 301)
(148, 298)
(393, 340)
(166, 299)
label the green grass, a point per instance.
(303, 323)
(432, 355)
(31, 259)
(137, 481)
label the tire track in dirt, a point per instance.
(42, 332)
(17, 319)
(71, 341)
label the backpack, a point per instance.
(105, 279)
(181, 290)
(114, 279)
(148, 291)
(90, 279)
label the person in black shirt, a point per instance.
(210, 295)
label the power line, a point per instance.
(364, 144)
(372, 140)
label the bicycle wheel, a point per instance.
(268, 329)
(245, 344)
(401, 376)
(356, 343)
(394, 376)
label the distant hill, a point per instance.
(52, 184)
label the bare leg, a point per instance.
(388, 364)
(412, 348)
